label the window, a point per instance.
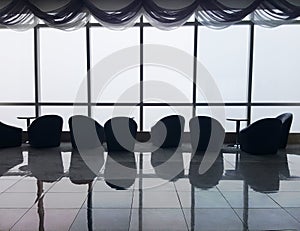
(276, 64)
(110, 85)
(17, 66)
(63, 65)
(225, 54)
(163, 83)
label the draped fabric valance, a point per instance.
(163, 14)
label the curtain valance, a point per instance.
(164, 14)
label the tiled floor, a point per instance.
(55, 189)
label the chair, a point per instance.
(45, 131)
(120, 133)
(10, 136)
(286, 120)
(261, 137)
(207, 134)
(167, 132)
(85, 132)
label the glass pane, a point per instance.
(108, 84)
(270, 112)
(225, 54)
(168, 83)
(154, 113)
(276, 64)
(237, 112)
(63, 65)
(9, 115)
(104, 113)
(17, 66)
(65, 112)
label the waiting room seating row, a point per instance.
(207, 134)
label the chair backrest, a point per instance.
(45, 131)
(10, 136)
(286, 120)
(86, 133)
(207, 134)
(167, 132)
(120, 133)
(261, 137)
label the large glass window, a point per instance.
(109, 84)
(276, 64)
(63, 65)
(163, 83)
(17, 66)
(225, 54)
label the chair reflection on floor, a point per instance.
(262, 174)
(168, 163)
(46, 166)
(85, 165)
(9, 158)
(211, 177)
(120, 170)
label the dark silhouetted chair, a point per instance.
(45, 131)
(9, 158)
(261, 137)
(286, 120)
(167, 132)
(120, 134)
(86, 133)
(10, 136)
(120, 170)
(207, 134)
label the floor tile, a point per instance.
(64, 185)
(46, 219)
(213, 219)
(156, 199)
(64, 200)
(255, 200)
(158, 219)
(17, 200)
(116, 199)
(102, 219)
(6, 184)
(29, 185)
(268, 219)
(287, 199)
(203, 199)
(8, 217)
